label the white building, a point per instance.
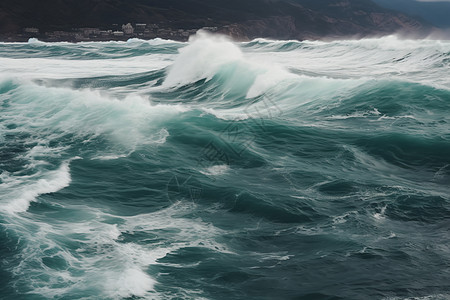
(127, 29)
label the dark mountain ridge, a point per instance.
(435, 12)
(282, 19)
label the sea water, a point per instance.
(220, 170)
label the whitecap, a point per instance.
(216, 170)
(17, 193)
(201, 59)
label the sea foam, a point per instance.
(201, 59)
(18, 193)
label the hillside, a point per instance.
(436, 13)
(283, 19)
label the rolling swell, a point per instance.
(225, 174)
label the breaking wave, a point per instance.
(213, 169)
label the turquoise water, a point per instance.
(219, 170)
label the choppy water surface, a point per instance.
(219, 170)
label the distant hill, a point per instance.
(244, 19)
(436, 13)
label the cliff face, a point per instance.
(282, 19)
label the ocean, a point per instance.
(214, 169)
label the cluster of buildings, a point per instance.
(124, 32)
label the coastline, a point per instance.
(146, 32)
(237, 32)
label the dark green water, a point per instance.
(213, 170)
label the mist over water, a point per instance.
(220, 170)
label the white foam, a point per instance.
(112, 269)
(55, 68)
(129, 283)
(54, 112)
(108, 157)
(34, 41)
(18, 193)
(186, 232)
(134, 41)
(216, 170)
(380, 215)
(377, 58)
(344, 217)
(105, 263)
(269, 79)
(201, 59)
(153, 42)
(236, 114)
